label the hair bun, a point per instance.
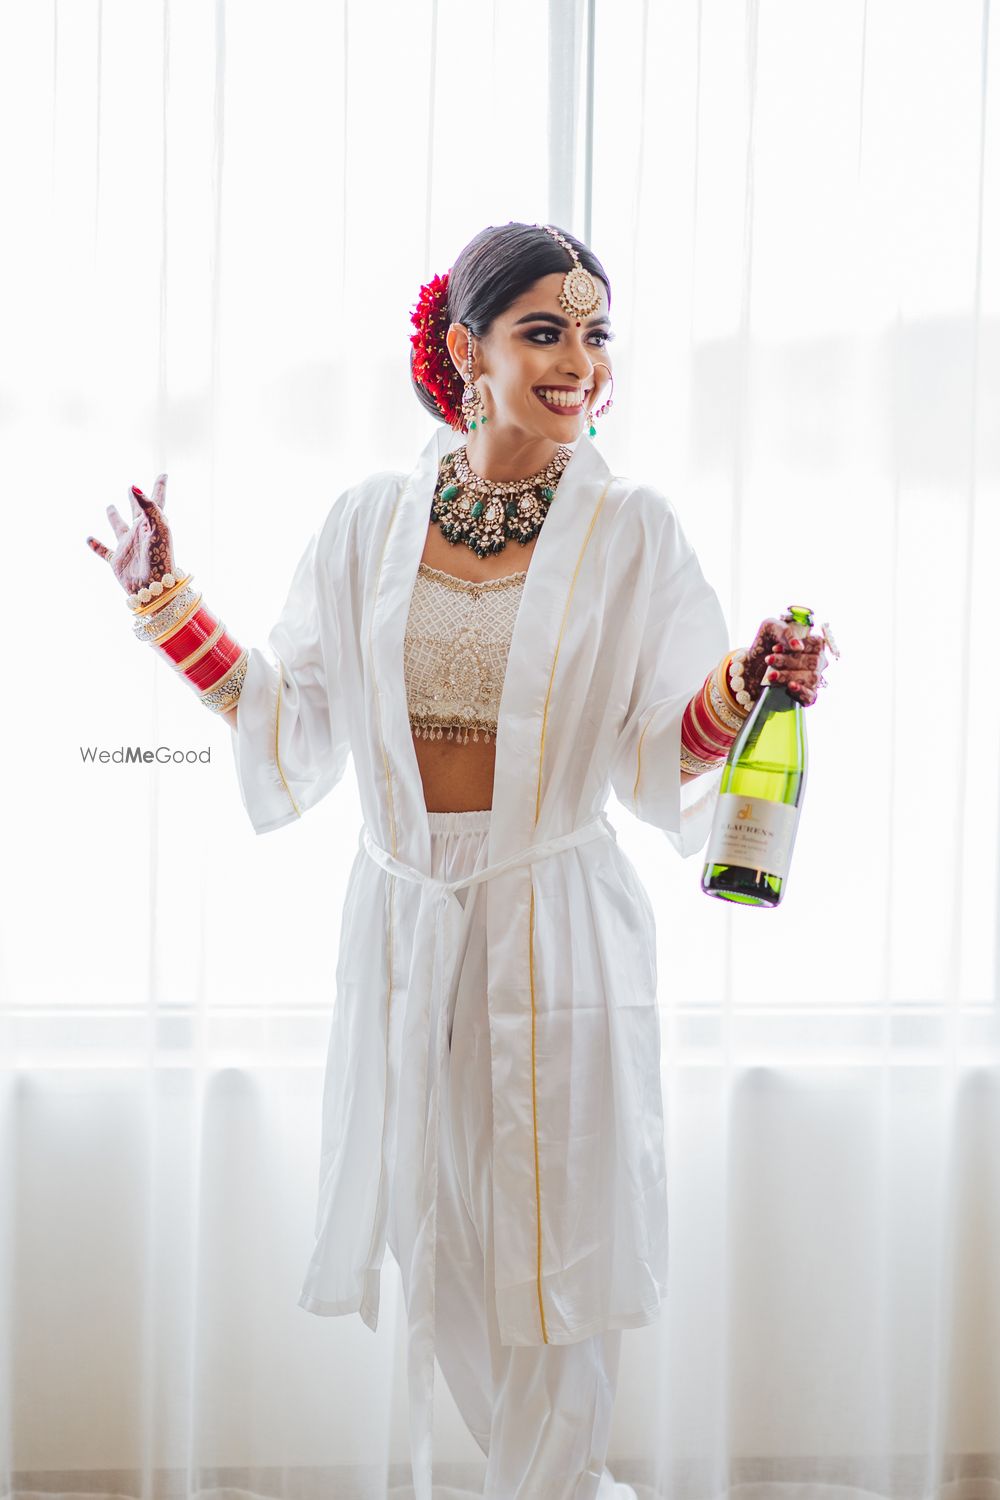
(430, 363)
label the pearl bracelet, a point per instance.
(737, 681)
(152, 595)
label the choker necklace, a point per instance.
(486, 514)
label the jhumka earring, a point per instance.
(473, 406)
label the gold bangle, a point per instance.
(722, 679)
(731, 720)
(721, 731)
(709, 707)
(691, 762)
(151, 607)
(167, 634)
(152, 627)
(226, 691)
(202, 650)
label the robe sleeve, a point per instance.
(684, 636)
(290, 743)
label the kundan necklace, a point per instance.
(486, 514)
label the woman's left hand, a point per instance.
(783, 653)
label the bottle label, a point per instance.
(753, 832)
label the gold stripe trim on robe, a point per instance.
(391, 891)
(534, 1110)
(531, 909)
(371, 660)
(638, 757)
(391, 881)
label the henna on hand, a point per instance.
(781, 654)
(143, 552)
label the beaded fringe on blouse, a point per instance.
(455, 653)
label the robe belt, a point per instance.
(423, 1044)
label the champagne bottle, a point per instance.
(760, 797)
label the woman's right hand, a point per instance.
(143, 551)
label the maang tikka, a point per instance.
(578, 298)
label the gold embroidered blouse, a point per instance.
(455, 653)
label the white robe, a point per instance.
(616, 630)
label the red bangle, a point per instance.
(193, 633)
(204, 652)
(692, 741)
(214, 665)
(719, 734)
(705, 728)
(699, 741)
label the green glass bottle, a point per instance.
(760, 797)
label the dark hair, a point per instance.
(499, 264)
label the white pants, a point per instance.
(541, 1414)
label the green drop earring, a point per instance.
(601, 409)
(473, 407)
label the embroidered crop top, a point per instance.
(455, 653)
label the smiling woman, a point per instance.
(500, 637)
(536, 362)
(537, 372)
(570, 399)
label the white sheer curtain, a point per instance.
(217, 218)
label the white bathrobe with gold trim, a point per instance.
(616, 629)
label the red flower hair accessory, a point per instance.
(431, 363)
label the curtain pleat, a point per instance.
(218, 218)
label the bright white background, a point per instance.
(216, 221)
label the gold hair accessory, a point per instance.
(579, 295)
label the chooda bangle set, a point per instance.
(168, 613)
(715, 715)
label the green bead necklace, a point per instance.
(486, 514)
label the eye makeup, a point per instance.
(604, 333)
